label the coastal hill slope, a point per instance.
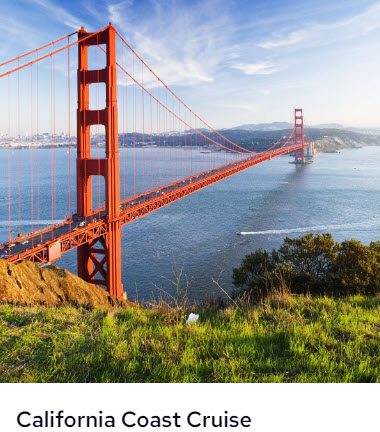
(26, 283)
(326, 140)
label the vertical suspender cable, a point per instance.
(9, 164)
(127, 128)
(143, 126)
(18, 155)
(31, 150)
(176, 128)
(97, 126)
(38, 159)
(181, 142)
(158, 143)
(174, 164)
(122, 150)
(151, 145)
(54, 147)
(69, 127)
(51, 135)
(134, 130)
(193, 143)
(186, 146)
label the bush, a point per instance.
(356, 269)
(308, 260)
(255, 276)
(312, 264)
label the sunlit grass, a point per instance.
(286, 339)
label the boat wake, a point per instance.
(333, 227)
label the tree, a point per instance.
(356, 268)
(309, 260)
(254, 277)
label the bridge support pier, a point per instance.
(309, 152)
(99, 261)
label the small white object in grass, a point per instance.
(193, 318)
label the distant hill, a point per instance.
(259, 137)
(278, 126)
(368, 131)
(274, 126)
(329, 126)
(331, 140)
(326, 139)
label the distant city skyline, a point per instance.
(233, 62)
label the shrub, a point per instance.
(314, 264)
(254, 277)
(308, 260)
(356, 269)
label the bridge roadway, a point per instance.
(69, 234)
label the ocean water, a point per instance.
(200, 239)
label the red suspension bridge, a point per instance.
(136, 151)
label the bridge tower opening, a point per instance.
(99, 261)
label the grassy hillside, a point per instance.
(286, 339)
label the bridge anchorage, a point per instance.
(96, 233)
(306, 152)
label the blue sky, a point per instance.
(233, 62)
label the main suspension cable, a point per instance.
(177, 97)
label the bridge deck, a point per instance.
(70, 234)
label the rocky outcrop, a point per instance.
(332, 144)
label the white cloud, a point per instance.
(13, 29)
(60, 14)
(263, 67)
(291, 39)
(318, 34)
(362, 23)
(115, 11)
(238, 106)
(182, 43)
(350, 28)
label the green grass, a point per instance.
(288, 339)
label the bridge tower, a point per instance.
(299, 137)
(99, 261)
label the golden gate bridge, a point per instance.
(146, 116)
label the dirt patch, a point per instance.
(26, 283)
